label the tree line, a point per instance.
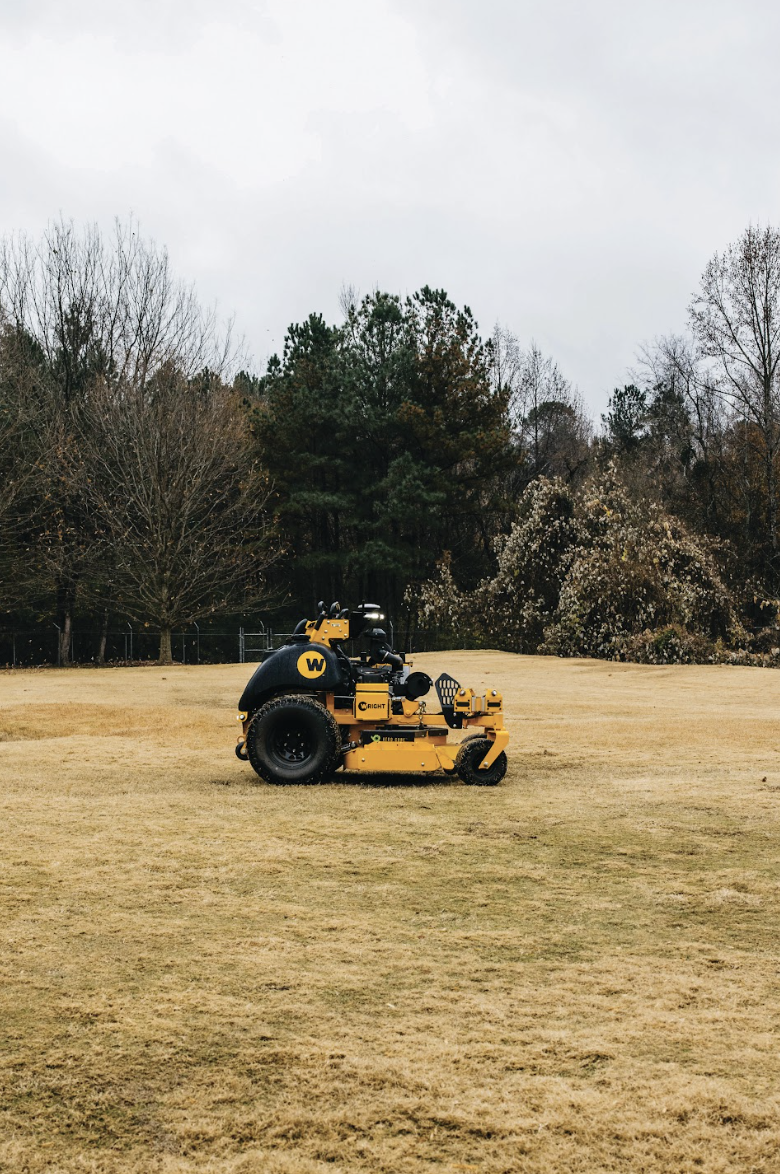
(128, 485)
(147, 473)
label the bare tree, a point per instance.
(548, 418)
(177, 498)
(109, 307)
(735, 317)
(20, 427)
(97, 310)
(349, 300)
(687, 413)
(671, 362)
(506, 360)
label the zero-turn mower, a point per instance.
(310, 710)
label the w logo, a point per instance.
(311, 664)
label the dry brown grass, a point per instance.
(577, 971)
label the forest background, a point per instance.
(150, 478)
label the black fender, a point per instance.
(295, 667)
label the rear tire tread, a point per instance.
(321, 724)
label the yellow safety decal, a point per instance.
(311, 664)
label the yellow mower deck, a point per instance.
(414, 740)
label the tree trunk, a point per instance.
(66, 602)
(65, 633)
(166, 656)
(771, 493)
(770, 447)
(101, 656)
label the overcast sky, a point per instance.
(567, 168)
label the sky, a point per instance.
(564, 168)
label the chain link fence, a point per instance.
(127, 645)
(130, 645)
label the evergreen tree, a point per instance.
(385, 443)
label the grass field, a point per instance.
(576, 971)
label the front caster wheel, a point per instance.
(469, 756)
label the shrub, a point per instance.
(512, 609)
(593, 573)
(636, 569)
(672, 645)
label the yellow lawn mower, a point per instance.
(310, 710)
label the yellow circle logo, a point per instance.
(311, 664)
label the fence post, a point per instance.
(13, 645)
(197, 641)
(59, 650)
(241, 645)
(131, 643)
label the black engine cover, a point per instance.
(294, 666)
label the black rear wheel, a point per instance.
(293, 740)
(471, 752)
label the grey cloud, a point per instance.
(566, 168)
(133, 25)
